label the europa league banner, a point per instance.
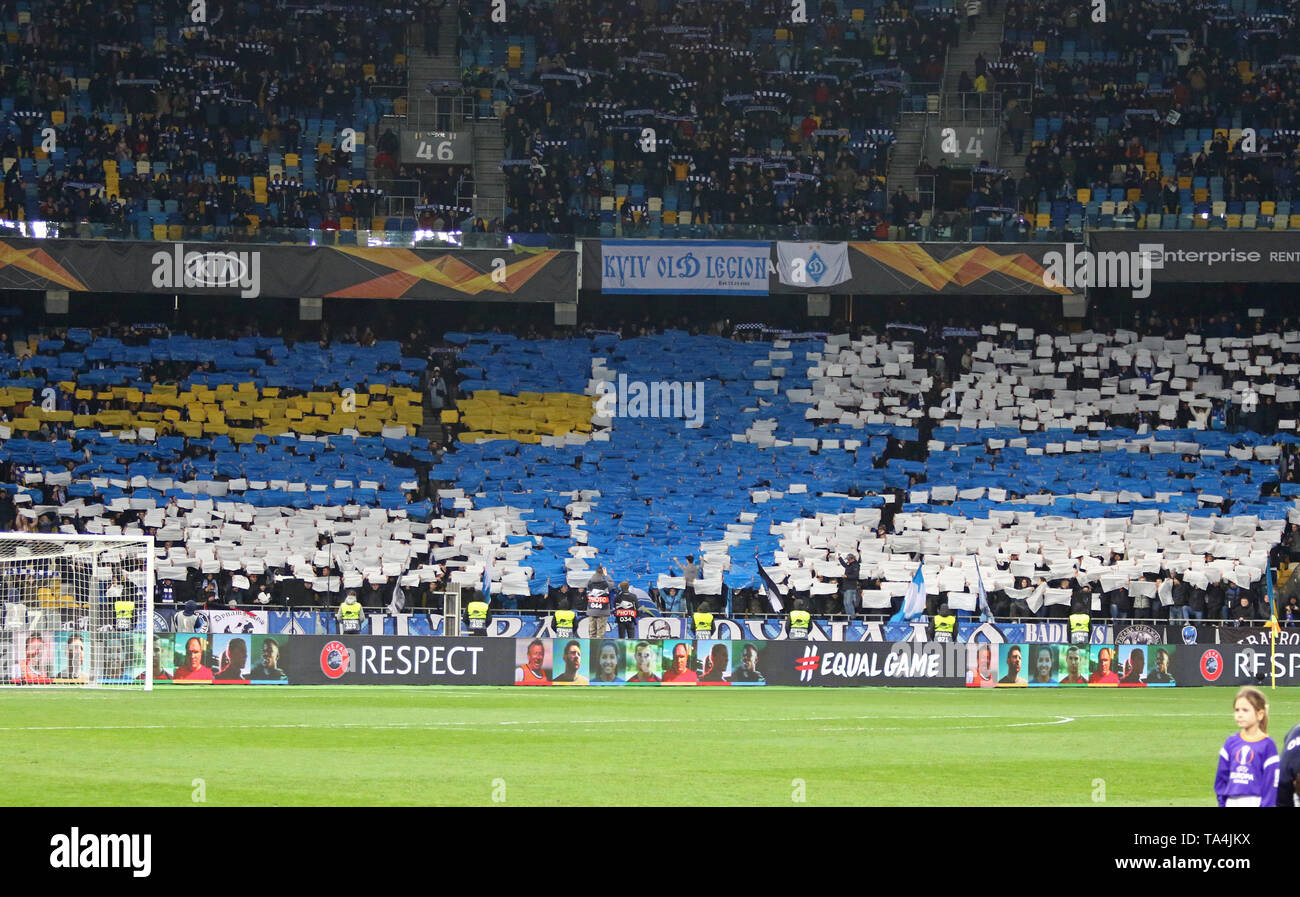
(254, 270)
(1016, 269)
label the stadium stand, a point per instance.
(752, 124)
(162, 125)
(814, 454)
(1163, 117)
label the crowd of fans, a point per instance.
(209, 105)
(945, 350)
(1152, 100)
(756, 120)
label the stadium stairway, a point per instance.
(423, 67)
(987, 39)
(907, 150)
(489, 179)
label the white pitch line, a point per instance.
(1054, 722)
(437, 724)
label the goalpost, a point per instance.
(77, 610)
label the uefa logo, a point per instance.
(1211, 665)
(334, 659)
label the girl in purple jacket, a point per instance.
(1248, 761)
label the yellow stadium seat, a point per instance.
(1184, 183)
(160, 232)
(1279, 223)
(57, 117)
(1268, 208)
(1295, 220)
(1083, 194)
(1040, 46)
(1234, 221)
(1201, 194)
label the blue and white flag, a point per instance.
(813, 266)
(984, 609)
(913, 600)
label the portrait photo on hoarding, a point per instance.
(192, 658)
(1160, 662)
(1104, 671)
(33, 657)
(533, 661)
(747, 663)
(608, 660)
(270, 660)
(981, 665)
(715, 661)
(679, 662)
(72, 656)
(164, 658)
(1043, 664)
(571, 651)
(231, 656)
(1013, 665)
(645, 663)
(1132, 665)
(1075, 665)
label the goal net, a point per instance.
(77, 610)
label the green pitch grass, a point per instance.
(328, 746)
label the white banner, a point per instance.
(813, 266)
(737, 267)
(248, 621)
